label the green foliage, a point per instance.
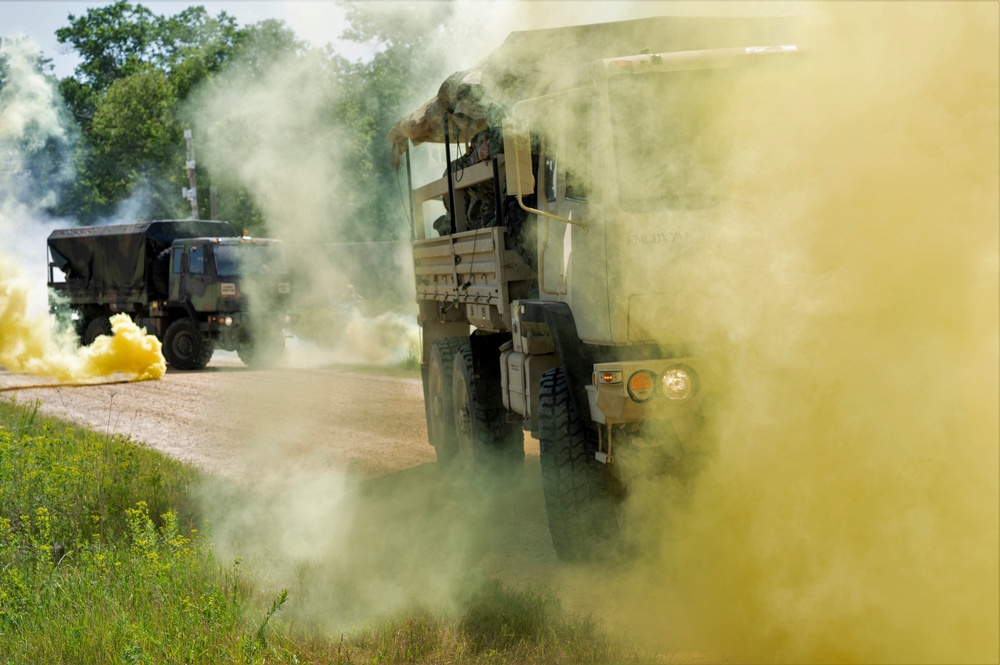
(89, 574)
(406, 66)
(135, 139)
(112, 41)
(83, 481)
(136, 70)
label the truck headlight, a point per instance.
(678, 383)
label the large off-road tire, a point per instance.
(440, 405)
(96, 327)
(580, 497)
(485, 440)
(262, 351)
(184, 347)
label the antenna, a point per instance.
(191, 194)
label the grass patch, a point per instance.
(103, 560)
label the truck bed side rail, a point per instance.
(477, 269)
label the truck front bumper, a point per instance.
(651, 414)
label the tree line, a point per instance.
(126, 103)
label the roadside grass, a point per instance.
(103, 560)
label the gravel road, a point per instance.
(368, 424)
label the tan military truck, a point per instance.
(194, 284)
(535, 254)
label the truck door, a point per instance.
(575, 254)
(196, 282)
(176, 273)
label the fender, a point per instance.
(575, 358)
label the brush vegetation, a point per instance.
(103, 559)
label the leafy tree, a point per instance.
(193, 45)
(136, 70)
(375, 92)
(135, 139)
(112, 42)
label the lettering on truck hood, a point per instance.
(651, 238)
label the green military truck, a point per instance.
(539, 254)
(195, 285)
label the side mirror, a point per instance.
(517, 152)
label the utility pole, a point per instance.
(191, 194)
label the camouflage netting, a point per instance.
(115, 259)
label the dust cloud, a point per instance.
(382, 339)
(847, 302)
(845, 299)
(32, 342)
(269, 129)
(308, 522)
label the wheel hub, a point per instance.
(184, 346)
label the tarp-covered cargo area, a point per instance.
(115, 259)
(527, 63)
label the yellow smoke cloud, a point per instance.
(31, 344)
(851, 301)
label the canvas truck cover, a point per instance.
(529, 61)
(116, 258)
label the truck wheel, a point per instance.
(579, 490)
(184, 347)
(484, 438)
(99, 326)
(440, 407)
(262, 352)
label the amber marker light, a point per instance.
(641, 386)
(608, 378)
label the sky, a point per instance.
(317, 21)
(320, 22)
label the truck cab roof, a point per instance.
(529, 61)
(164, 230)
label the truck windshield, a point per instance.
(668, 153)
(249, 259)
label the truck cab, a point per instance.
(235, 289)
